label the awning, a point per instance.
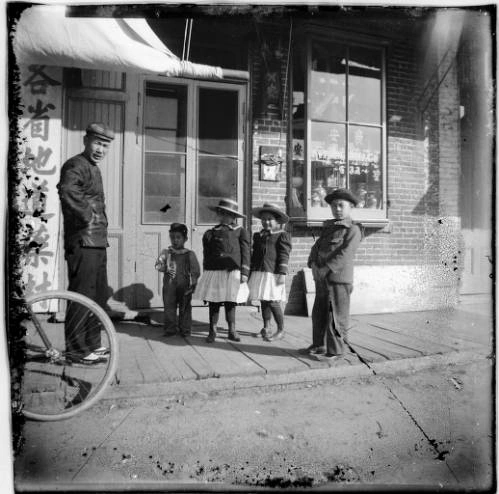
(44, 35)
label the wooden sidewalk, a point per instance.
(146, 356)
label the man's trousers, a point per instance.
(87, 274)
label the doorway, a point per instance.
(192, 143)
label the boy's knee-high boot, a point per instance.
(230, 315)
(214, 309)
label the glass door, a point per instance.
(192, 155)
(219, 156)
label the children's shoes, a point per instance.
(277, 336)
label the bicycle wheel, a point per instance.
(56, 384)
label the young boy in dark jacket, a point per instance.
(331, 260)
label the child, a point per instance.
(226, 255)
(182, 271)
(269, 266)
(331, 260)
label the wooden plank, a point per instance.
(294, 340)
(137, 354)
(367, 354)
(176, 357)
(420, 346)
(423, 331)
(389, 350)
(224, 359)
(127, 366)
(271, 356)
(451, 321)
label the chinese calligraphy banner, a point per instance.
(37, 199)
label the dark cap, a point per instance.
(179, 228)
(100, 130)
(341, 194)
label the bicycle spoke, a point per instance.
(57, 383)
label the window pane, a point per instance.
(365, 171)
(164, 183)
(165, 117)
(328, 89)
(217, 179)
(296, 201)
(327, 155)
(364, 85)
(218, 121)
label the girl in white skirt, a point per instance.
(269, 267)
(226, 254)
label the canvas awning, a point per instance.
(44, 35)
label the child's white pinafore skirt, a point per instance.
(263, 286)
(222, 286)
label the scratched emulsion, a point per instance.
(15, 248)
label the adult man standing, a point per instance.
(85, 240)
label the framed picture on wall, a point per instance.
(271, 158)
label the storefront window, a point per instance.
(337, 128)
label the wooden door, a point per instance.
(192, 154)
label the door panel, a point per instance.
(192, 156)
(477, 262)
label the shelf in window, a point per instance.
(375, 223)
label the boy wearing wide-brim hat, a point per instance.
(226, 253)
(269, 267)
(331, 259)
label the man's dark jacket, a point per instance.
(82, 200)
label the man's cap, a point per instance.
(341, 194)
(100, 130)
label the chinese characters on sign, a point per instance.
(38, 207)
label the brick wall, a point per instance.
(422, 173)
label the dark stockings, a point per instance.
(230, 314)
(269, 309)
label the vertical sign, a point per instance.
(37, 199)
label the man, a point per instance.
(85, 240)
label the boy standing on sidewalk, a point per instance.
(182, 271)
(331, 260)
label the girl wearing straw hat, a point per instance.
(226, 254)
(269, 266)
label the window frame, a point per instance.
(304, 41)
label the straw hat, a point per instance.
(228, 206)
(281, 216)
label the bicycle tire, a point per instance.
(90, 382)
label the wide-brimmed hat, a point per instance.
(281, 216)
(100, 130)
(341, 194)
(228, 206)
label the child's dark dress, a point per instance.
(270, 258)
(226, 255)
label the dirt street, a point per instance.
(426, 428)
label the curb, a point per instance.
(177, 390)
